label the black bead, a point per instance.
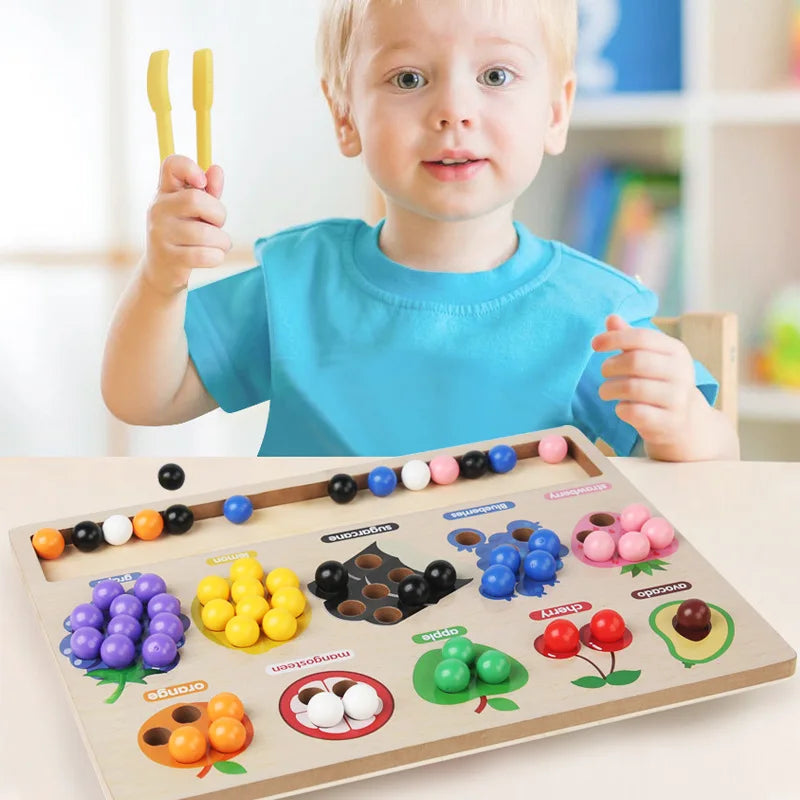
(178, 519)
(342, 488)
(413, 590)
(87, 536)
(441, 576)
(474, 464)
(331, 578)
(171, 477)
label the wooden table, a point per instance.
(744, 517)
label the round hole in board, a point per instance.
(522, 534)
(388, 615)
(468, 538)
(398, 573)
(156, 737)
(369, 561)
(601, 520)
(340, 687)
(374, 591)
(186, 714)
(581, 535)
(351, 608)
(304, 695)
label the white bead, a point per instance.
(325, 709)
(415, 475)
(117, 529)
(360, 701)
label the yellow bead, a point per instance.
(281, 576)
(242, 631)
(279, 624)
(289, 598)
(253, 606)
(246, 586)
(213, 587)
(246, 568)
(216, 614)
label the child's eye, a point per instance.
(408, 80)
(496, 76)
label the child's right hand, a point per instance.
(184, 224)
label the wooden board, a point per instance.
(298, 526)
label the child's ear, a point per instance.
(555, 139)
(346, 133)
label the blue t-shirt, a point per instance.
(361, 356)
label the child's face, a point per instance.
(452, 80)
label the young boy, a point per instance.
(448, 322)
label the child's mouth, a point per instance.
(449, 169)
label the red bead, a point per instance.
(607, 626)
(561, 636)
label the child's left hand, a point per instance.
(653, 379)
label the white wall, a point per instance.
(80, 167)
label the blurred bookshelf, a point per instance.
(724, 120)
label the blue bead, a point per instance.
(545, 539)
(382, 481)
(502, 458)
(539, 565)
(498, 580)
(506, 554)
(238, 509)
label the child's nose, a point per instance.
(453, 106)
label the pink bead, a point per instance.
(632, 517)
(659, 532)
(633, 546)
(444, 469)
(599, 546)
(552, 448)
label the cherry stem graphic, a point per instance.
(481, 704)
(613, 661)
(203, 772)
(602, 674)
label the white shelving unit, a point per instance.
(734, 135)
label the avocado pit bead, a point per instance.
(693, 619)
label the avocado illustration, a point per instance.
(685, 650)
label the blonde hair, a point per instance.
(339, 19)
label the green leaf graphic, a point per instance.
(230, 767)
(590, 682)
(502, 704)
(627, 568)
(623, 677)
(647, 569)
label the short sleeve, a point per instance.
(597, 417)
(228, 334)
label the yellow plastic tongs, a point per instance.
(202, 98)
(158, 95)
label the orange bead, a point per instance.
(227, 734)
(225, 704)
(48, 543)
(187, 744)
(148, 524)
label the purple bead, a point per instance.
(149, 585)
(86, 615)
(104, 592)
(126, 625)
(117, 651)
(85, 642)
(126, 604)
(167, 623)
(163, 602)
(159, 650)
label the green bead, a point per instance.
(451, 675)
(493, 666)
(461, 648)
